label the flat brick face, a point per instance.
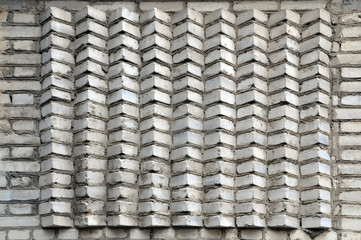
(180, 120)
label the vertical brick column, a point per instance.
(315, 120)
(251, 127)
(91, 114)
(155, 117)
(123, 125)
(186, 156)
(55, 152)
(219, 106)
(283, 117)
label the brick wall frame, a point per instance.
(49, 156)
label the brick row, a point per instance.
(55, 152)
(155, 119)
(283, 119)
(251, 126)
(220, 114)
(187, 125)
(314, 125)
(91, 115)
(123, 124)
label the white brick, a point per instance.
(18, 234)
(164, 6)
(303, 5)
(264, 5)
(20, 59)
(248, 15)
(90, 12)
(208, 6)
(351, 32)
(20, 31)
(24, 45)
(23, 221)
(44, 234)
(24, 18)
(57, 13)
(284, 15)
(351, 46)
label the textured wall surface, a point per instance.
(180, 120)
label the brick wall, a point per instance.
(180, 120)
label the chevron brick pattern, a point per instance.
(155, 119)
(123, 122)
(283, 119)
(187, 125)
(314, 125)
(91, 115)
(251, 126)
(188, 119)
(220, 114)
(55, 126)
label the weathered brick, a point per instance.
(43, 234)
(68, 234)
(20, 32)
(164, 6)
(208, 6)
(22, 221)
(303, 5)
(351, 32)
(25, 71)
(19, 234)
(246, 5)
(24, 18)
